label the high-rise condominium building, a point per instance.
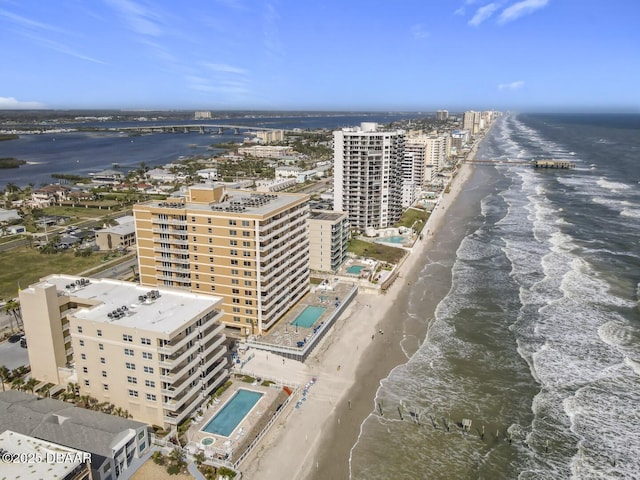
(367, 176)
(251, 249)
(329, 233)
(156, 353)
(203, 115)
(429, 153)
(442, 115)
(471, 121)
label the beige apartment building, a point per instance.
(156, 353)
(251, 249)
(329, 233)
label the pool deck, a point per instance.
(231, 447)
(285, 334)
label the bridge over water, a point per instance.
(198, 127)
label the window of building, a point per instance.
(246, 254)
(81, 343)
(150, 383)
(105, 386)
(248, 302)
(213, 288)
(127, 338)
(235, 309)
(232, 222)
(233, 243)
(209, 230)
(235, 291)
(209, 220)
(246, 223)
(234, 262)
(233, 233)
(151, 397)
(235, 281)
(130, 366)
(145, 341)
(234, 271)
(247, 283)
(233, 253)
(235, 300)
(79, 329)
(100, 346)
(148, 369)
(147, 355)
(193, 228)
(102, 360)
(132, 379)
(86, 383)
(236, 319)
(99, 333)
(83, 356)
(128, 352)
(197, 286)
(246, 263)
(248, 311)
(247, 273)
(104, 373)
(246, 234)
(133, 393)
(85, 370)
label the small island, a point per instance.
(10, 162)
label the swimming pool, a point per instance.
(393, 239)
(355, 269)
(233, 412)
(308, 316)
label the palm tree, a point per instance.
(5, 375)
(12, 308)
(44, 390)
(17, 384)
(31, 384)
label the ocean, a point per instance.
(537, 342)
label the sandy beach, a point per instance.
(315, 440)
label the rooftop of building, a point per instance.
(325, 215)
(39, 457)
(120, 229)
(127, 304)
(59, 422)
(238, 202)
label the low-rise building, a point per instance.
(112, 442)
(156, 353)
(266, 151)
(117, 237)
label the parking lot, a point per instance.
(12, 355)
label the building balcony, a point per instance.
(157, 221)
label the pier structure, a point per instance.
(542, 163)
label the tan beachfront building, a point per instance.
(329, 233)
(251, 249)
(156, 353)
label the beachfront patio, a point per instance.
(227, 449)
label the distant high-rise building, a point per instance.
(251, 249)
(367, 179)
(430, 153)
(471, 121)
(202, 116)
(442, 115)
(270, 136)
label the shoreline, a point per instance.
(316, 440)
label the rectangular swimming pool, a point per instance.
(308, 316)
(356, 269)
(233, 412)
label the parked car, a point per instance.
(15, 338)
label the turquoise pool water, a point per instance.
(229, 417)
(355, 269)
(393, 239)
(308, 316)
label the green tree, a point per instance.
(31, 384)
(5, 375)
(17, 384)
(12, 308)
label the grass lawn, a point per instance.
(376, 251)
(412, 215)
(27, 266)
(91, 212)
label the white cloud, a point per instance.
(225, 68)
(520, 9)
(483, 13)
(511, 86)
(10, 103)
(418, 32)
(141, 19)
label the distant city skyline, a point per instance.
(526, 55)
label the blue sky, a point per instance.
(527, 55)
